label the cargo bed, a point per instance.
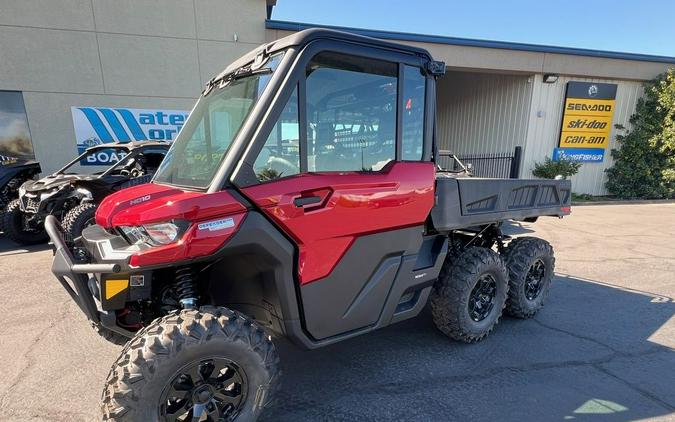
(463, 201)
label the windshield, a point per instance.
(96, 161)
(209, 130)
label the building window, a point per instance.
(280, 156)
(412, 103)
(15, 141)
(351, 113)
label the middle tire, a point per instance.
(468, 298)
(211, 362)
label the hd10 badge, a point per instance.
(588, 113)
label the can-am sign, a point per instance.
(101, 125)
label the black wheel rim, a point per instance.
(27, 224)
(535, 279)
(211, 390)
(482, 299)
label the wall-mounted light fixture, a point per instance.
(550, 78)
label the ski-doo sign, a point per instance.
(101, 125)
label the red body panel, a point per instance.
(154, 203)
(352, 204)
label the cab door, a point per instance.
(342, 174)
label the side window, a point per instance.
(280, 156)
(351, 113)
(413, 113)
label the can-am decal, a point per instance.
(224, 223)
(101, 125)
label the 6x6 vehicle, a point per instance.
(301, 199)
(73, 197)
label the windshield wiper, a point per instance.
(242, 72)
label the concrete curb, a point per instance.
(625, 202)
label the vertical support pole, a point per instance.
(515, 162)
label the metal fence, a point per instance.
(501, 165)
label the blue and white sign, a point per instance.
(101, 125)
(579, 155)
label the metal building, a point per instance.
(130, 69)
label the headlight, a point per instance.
(84, 194)
(155, 234)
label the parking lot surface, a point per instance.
(602, 349)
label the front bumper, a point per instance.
(75, 278)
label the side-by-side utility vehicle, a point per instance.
(14, 171)
(72, 194)
(300, 199)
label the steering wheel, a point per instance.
(290, 168)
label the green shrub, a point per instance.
(581, 197)
(549, 169)
(644, 163)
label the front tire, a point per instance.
(14, 227)
(468, 298)
(78, 218)
(211, 361)
(531, 264)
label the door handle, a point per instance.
(304, 201)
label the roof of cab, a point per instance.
(308, 35)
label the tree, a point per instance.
(644, 163)
(549, 169)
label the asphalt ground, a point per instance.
(602, 349)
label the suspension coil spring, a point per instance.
(186, 290)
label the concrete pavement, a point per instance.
(603, 348)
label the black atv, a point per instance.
(74, 196)
(13, 172)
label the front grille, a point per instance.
(30, 204)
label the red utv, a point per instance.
(300, 199)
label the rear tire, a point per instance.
(14, 228)
(531, 264)
(78, 218)
(468, 298)
(177, 353)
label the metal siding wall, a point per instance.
(64, 53)
(543, 134)
(482, 112)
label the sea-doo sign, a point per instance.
(101, 125)
(587, 118)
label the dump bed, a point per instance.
(463, 201)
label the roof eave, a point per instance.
(468, 42)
